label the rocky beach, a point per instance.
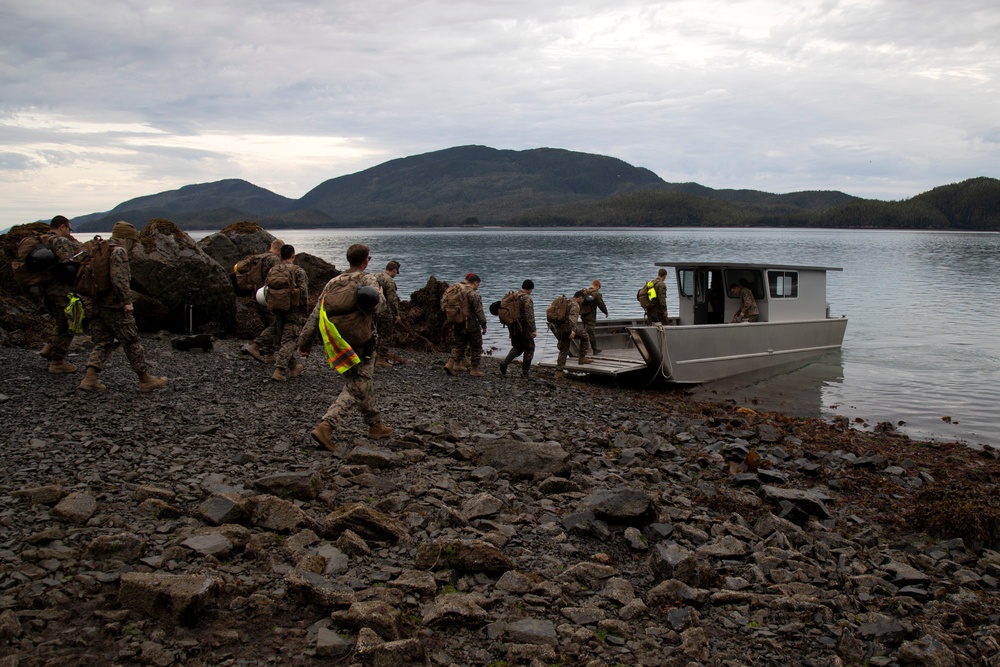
(507, 521)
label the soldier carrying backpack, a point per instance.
(358, 373)
(463, 310)
(247, 277)
(105, 273)
(518, 310)
(45, 262)
(287, 298)
(563, 316)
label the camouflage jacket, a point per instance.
(590, 308)
(527, 313)
(390, 296)
(120, 294)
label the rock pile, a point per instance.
(506, 522)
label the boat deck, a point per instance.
(609, 362)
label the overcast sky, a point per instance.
(104, 100)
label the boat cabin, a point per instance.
(783, 293)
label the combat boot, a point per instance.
(476, 373)
(503, 367)
(382, 363)
(449, 367)
(58, 367)
(279, 375)
(254, 351)
(525, 367)
(323, 435)
(461, 366)
(148, 383)
(296, 371)
(90, 381)
(558, 375)
(46, 351)
(379, 431)
(584, 360)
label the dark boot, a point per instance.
(525, 367)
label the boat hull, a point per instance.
(702, 353)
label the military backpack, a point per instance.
(642, 296)
(282, 294)
(93, 278)
(34, 260)
(341, 305)
(455, 304)
(558, 310)
(248, 274)
(511, 309)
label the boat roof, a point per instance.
(747, 265)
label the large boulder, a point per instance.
(167, 265)
(235, 242)
(423, 326)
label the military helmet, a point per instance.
(41, 258)
(367, 298)
(65, 272)
(262, 296)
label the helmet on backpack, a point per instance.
(367, 298)
(41, 258)
(262, 296)
(65, 272)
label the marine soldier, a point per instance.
(748, 311)
(111, 318)
(262, 347)
(359, 389)
(593, 301)
(566, 329)
(468, 335)
(56, 296)
(656, 312)
(385, 322)
(522, 332)
(288, 326)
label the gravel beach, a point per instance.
(507, 521)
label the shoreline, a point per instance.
(572, 522)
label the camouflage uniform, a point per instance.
(563, 329)
(468, 336)
(288, 326)
(748, 311)
(385, 321)
(521, 339)
(109, 321)
(657, 311)
(588, 312)
(359, 390)
(269, 338)
(56, 298)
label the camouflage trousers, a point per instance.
(467, 344)
(268, 339)
(108, 325)
(656, 315)
(563, 343)
(286, 329)
(56, 301)
(359, 392)
(384, 326)
(589, 323)
(521, 342)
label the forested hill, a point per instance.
(545, 186)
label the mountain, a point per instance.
(542, 186)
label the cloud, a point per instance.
(880, 98)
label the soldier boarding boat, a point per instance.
(702, 343)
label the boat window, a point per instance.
(685, 282)
(783, 284)
(748, 278)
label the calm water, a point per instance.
(922, 343)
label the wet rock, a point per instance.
(456, 608)
(77, 507)
(176, 599)
(619, 505)
(276, 514)
(467, 555)
(374, 614)
(523, 459)
(125, 547)
(298, 485)
(365, 522)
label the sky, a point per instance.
(102, 101)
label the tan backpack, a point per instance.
(510, 310)
(28, 270)
(93, 278)
(248, 274)
(341, 304)
(455, 304)
(282, 295)
(558, 310)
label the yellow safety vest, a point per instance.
(339, 353)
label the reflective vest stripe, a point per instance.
(339, 353)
